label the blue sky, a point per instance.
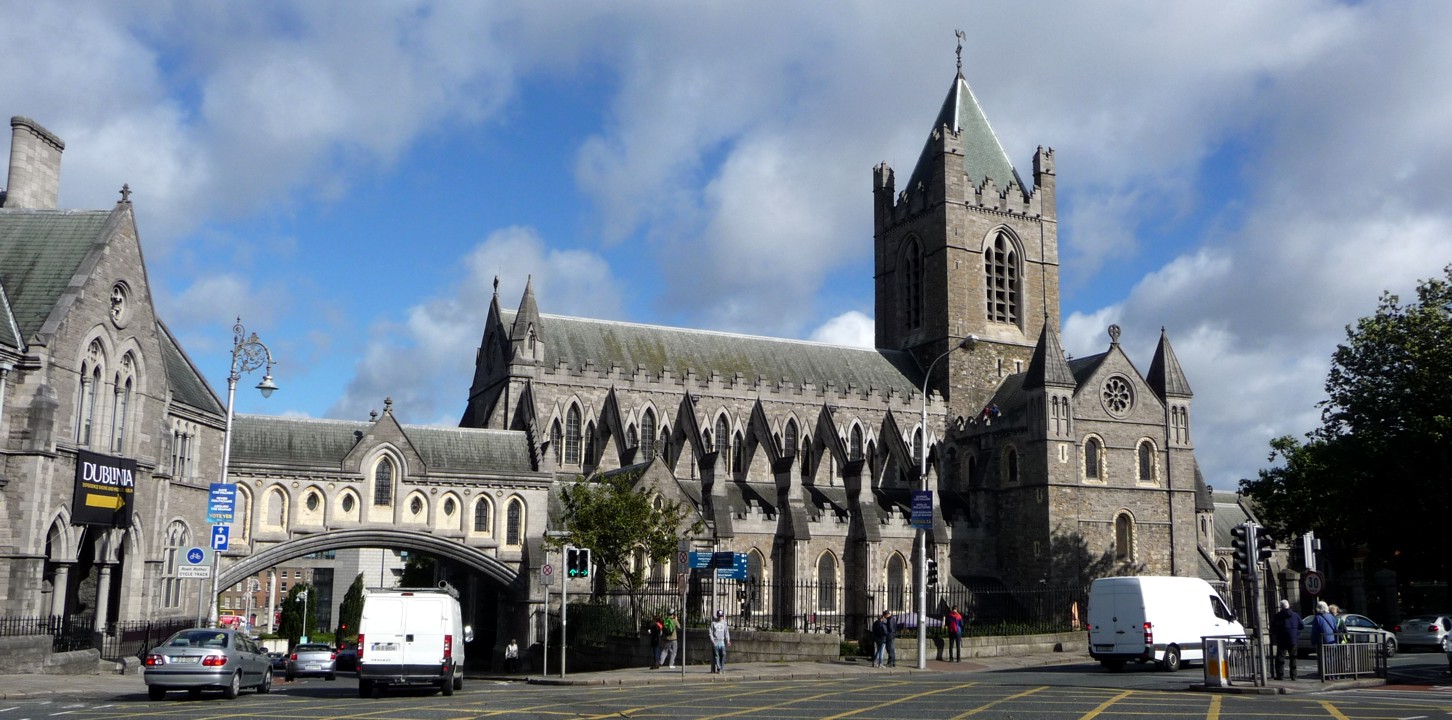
(349, 177)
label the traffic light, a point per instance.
(932, 573)
(577, 562)
(1242, 539)
(1264, 546)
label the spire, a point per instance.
(528, 315)
(983, 156)
(1165, 376)
(1048, 366)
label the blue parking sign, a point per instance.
(220, 536)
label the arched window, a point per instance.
(738, 453)
(90, 390)
(1093, 459)
(723, 436)
(591, 453)
(912, 284)
(481, 517)
(514, 522)
(789, 439)
(897, 585)
(1010, 465)
(632, 438)
(855, 447)
(918, 447)
(383, 482)
(276, 509)
(706, 445)
(806, 455)
(1124, 538)
(557, 441)
(124, 387)
(572, 436)
(177, 537)
(1146, 462)
(1000, 262)
(827, 583)
(647, 434)
(242, 526)
(663, 443)
(756, 580)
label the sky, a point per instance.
(350, 177)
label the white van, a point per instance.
(411, 636)
(1160, 619)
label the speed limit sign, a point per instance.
(1312, 583)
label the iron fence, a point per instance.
(67, 633)
(135, 638)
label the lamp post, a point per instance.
(248, 354)
(966, 343)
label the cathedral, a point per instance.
(804, 456)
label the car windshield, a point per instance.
(198, 638)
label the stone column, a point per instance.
(60, 589)
(103, 596)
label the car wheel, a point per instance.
(1391, 646)
(331, 677)
(1171, 663)
(234, 687)
(458, 682)
(156, 692)
(266, 686)
(446, 686)
(365, 688)
(1112, 665)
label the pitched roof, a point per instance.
(983, 156)
(272, 440)
(573, 341)
(40, 251)
(1048, 366)
(9, 330)
(187, 384)
(1165, 376)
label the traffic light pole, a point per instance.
(565, 603)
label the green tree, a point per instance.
(617, 521)
(418, 571)
(351, 610)
(292, 614)
(1375, 474)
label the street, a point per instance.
(1420, 688)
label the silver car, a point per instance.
(316, 659)
(207, 659)
(1422, 631)
(1358, 628)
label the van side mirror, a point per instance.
(468, 633)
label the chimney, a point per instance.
(35, 156)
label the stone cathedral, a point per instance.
(802, 455)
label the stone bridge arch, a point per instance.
(474, 558)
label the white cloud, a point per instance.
(850, 328)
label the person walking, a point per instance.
(668, 632)
(1323, 633)
(719, 633)
(891, 639)
(1285, 633)
(879, 640)
(653, 628)
(511, 656)
(954, 623)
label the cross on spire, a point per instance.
(961, 37)
(126, 193)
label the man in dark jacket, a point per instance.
(1285, 633)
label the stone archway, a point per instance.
(474, 558)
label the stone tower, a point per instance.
(965, 248)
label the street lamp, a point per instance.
(966, 343)
(248, 354)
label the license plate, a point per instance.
(191, 659)
(1103, 648)
(315, 667)
(385, 646)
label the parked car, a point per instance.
(279, 662)
(348, 658)
(312, 659)
(207, 659)
(1358, 628)
(1422, 631)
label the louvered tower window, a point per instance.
(913, 284)
(1002, 280)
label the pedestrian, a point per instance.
(954, 623)
(668, 632)
(891, 639)
(1285, 633)
(511, 656)
(653, 628)
(879, 640)
(1323, 633)
(719, 633)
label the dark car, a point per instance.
(348, 658)
(279, 661)
(207, 659)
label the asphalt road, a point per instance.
(1421, 689)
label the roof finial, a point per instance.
(961, 37)
(125, 192)
(496, 285)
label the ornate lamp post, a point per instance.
(248, 354)
(966, 343)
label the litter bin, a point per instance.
(1217, 664)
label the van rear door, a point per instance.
(1116, 617)
(383, 630)
(424, 627)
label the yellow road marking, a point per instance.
(1214, 713)
(1334, 712)
(899, 700)
(1105, 705)
(819, 696)
(981, 708)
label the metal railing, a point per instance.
(67, 633)
(1353, 656)
(135, 638)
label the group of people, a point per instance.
(1286, 633)
(884, 632)
(665, 634)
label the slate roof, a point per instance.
(983, 155)
(40, 251)
(9, 331)
(1048, 367)
(1165, 375)
(266, 439)
(1085, 366)
(187, 385)
(573, 341)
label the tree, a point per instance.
(418, 571)
(1376, 473)
(292, 614)
(615, 520)
(351, 610)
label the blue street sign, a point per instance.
(220, 535)
(922, 517)
(700, 560)
(731, 573)
(221, 503)
(196, 555)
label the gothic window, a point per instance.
(789, 439)
(572, 436)
(1124, 537)
(416, 507)
(723, 436)
(481, 516)
(1093, 459)
(313, 501)
(738, 453)
(897, 584)
(514, 523)
(918, 447)
(1117, 396)
(347, 504)
(827, 583)
(90, 391)
(1147, 462)
(243, 523)
(972, 469)
(590, 449)
(912, 284)
(383, 482)
(871, 459)
(855, 447)
(647, 434)
(178, 536)
(706, 445)
(1010, 465)
(1002, 277)
(663, 443)
(806, 455)
(632, 438)
(124, 389)
(557, 441)
(756, 579)
(276, 509)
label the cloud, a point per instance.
(852, 329)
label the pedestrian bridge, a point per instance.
(477, 559)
